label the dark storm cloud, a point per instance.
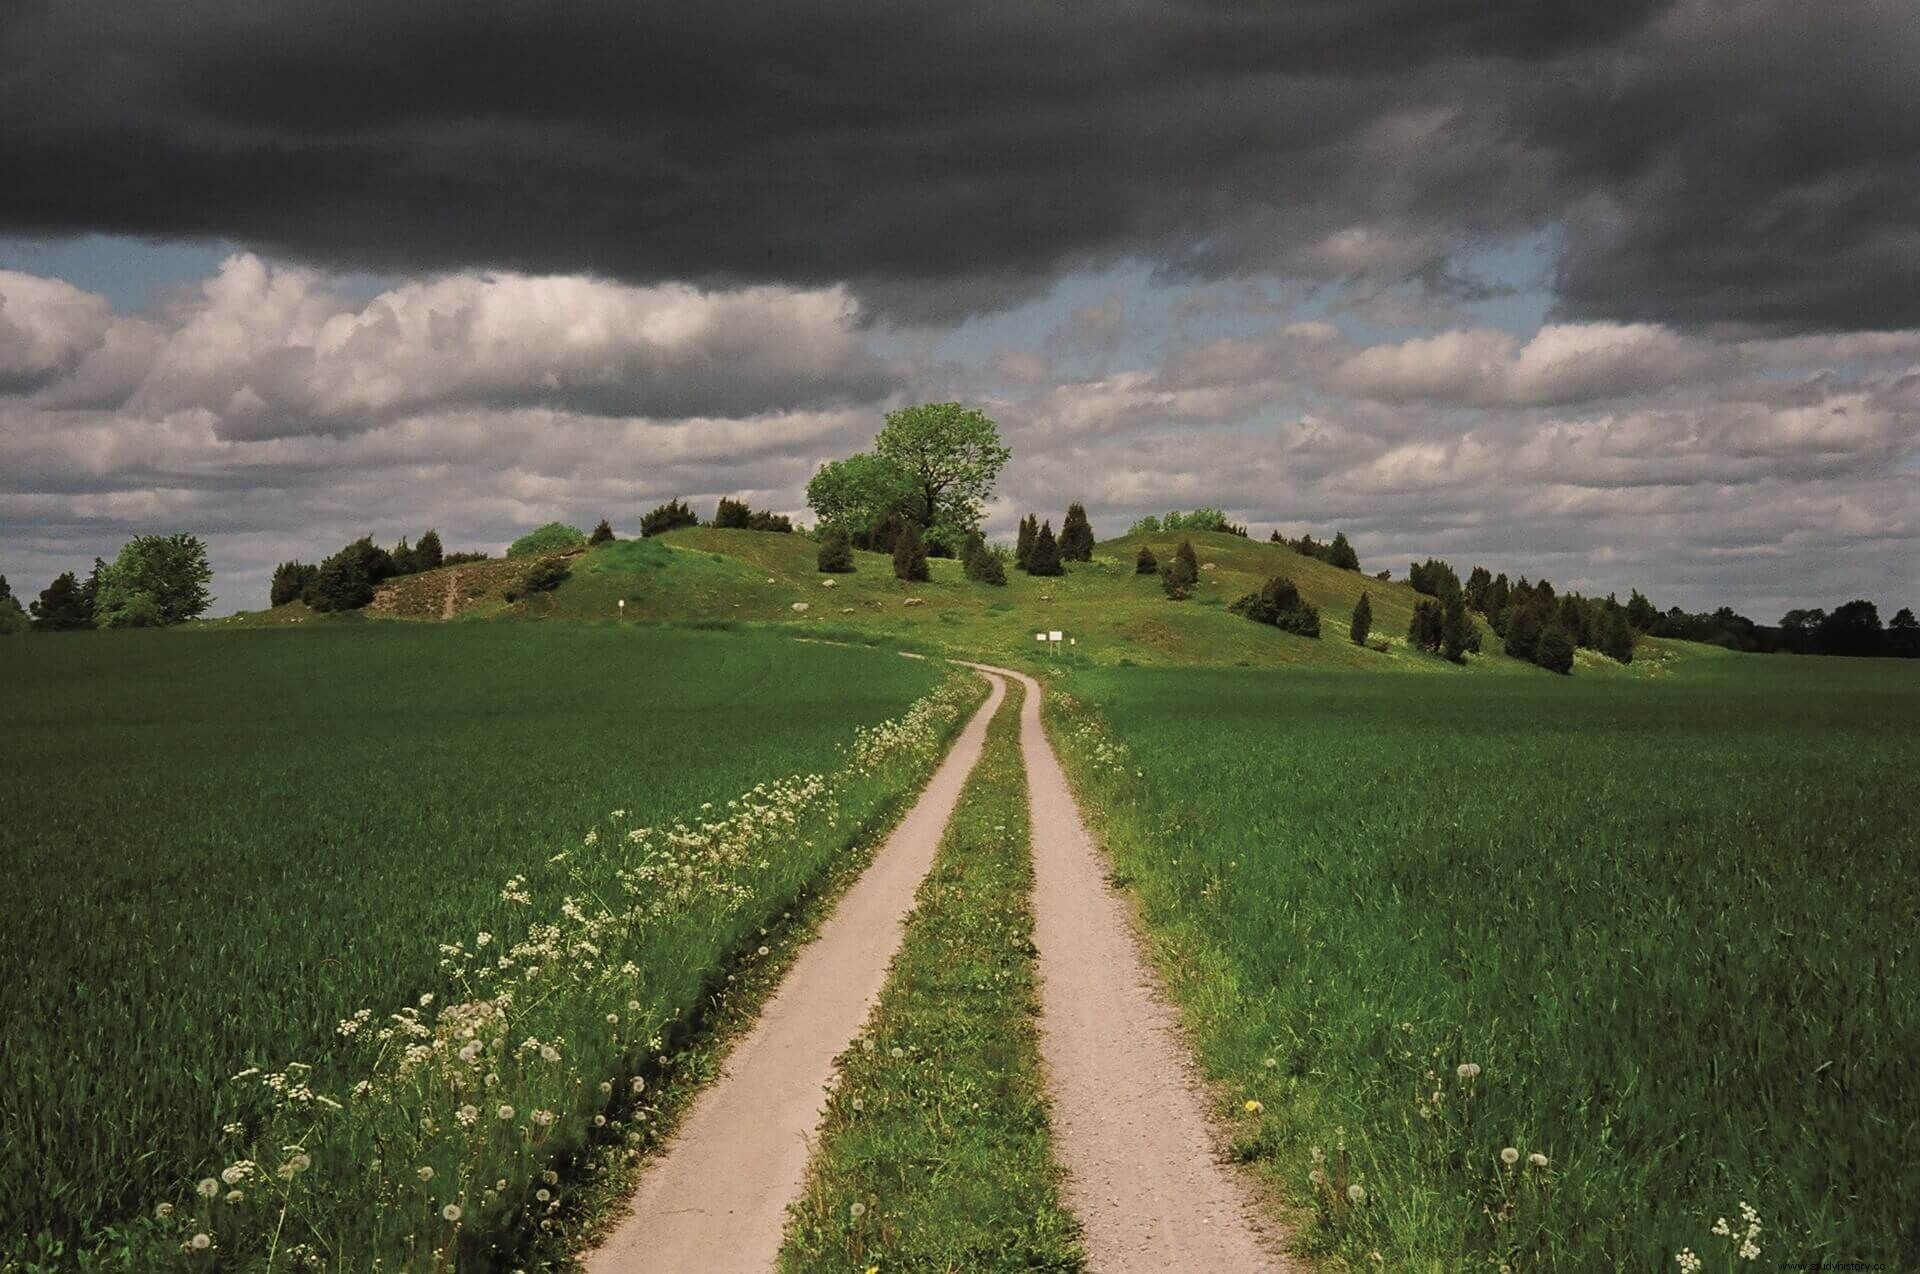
(943, 158)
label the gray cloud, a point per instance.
(1702, 162)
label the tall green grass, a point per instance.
(218, 845)
(1673, 925)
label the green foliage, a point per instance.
(1641, 613)
(1554, 651)
(1851, 629)
(1076, 535)
(1362, 620)
(861, 490)
(761, 520)
(731, 514)
(1044, 557)
(429, 556)
(12, 618)
(280, 770)
(602, 533)
(1618, 899)
(670, 516)
(982, 563)
(291, 581)
(1434, 578)
(1145, 563)
(1616, 635)
(1459, 635)
(554, 537)
(346, 580)
(1149, 525)
(961, 1006)
(1023, 546)
(1279, 603)
(544, 577)
(1179, 576)
(1198, 520)
(910, 555)
(1425, 630)
(156, 580)
(1340, 553)
(62, 606)
(952, 453)
(836, 551)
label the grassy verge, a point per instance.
(1540, 976)
(935, 1154)
(496, 771)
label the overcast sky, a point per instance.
(1624, 294)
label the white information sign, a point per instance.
(1055, 635)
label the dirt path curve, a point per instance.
(716, 1198)
(1129, 1116)
(453, 595)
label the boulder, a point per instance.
(801, 608)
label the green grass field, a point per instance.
(1672, 923)
(221, 844)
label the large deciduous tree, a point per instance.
(155, 580)
(862, 491)
(953, 454)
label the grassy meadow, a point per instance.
(222, 844)
(1114, 615)
(1660, 934)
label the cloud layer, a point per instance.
(1700, 162)
(279, 413)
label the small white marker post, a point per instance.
(1053, 642)
(623, 608)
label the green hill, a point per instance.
(1110, 614)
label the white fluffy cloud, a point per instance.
(279, 413)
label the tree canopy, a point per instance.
(953, 454)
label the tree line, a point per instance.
(155, 581)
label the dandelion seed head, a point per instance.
(200, 1242)
(857, 1211)
(1509, 1156)
(1356, 1193)
(208, 1187)
(1537, 1160)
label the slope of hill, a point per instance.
(1110, 614)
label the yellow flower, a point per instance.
(1254, 1107)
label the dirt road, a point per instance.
(715, 1200)
(1129, 1117)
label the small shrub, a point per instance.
(836, 551)
(1044, 557)
(670, 516)
(543, 578)
(554, 537)
(1146, 563)
(982, 563)
(602, 533)
(1279, 603)
(1555, 650)
(910, 555)
(1180, 575)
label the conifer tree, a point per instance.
(1362, 619)
(1180, 575)
(1459, 636)
(429, 554)
(1146, 563)
(910, 554)
(1341, 554)
(1044, 557)
(836, 551)
(1076, 535)
(602, 532)
(1023, 546)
